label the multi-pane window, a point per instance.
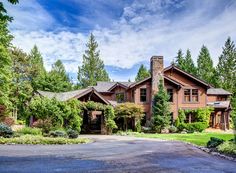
(194, 95)
(170, 93)
(120, 97)
(143, 95)
(187, 95)
(191, 95)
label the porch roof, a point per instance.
(219, 104)
(217, 91)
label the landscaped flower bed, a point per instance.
(36, 139)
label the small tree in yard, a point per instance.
(129, 110)
(161, 109)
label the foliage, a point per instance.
(226, 67)
(129, 110)
(214, 142)
(3, 12)
(92, 69)
(61, 114)
(180, 59)
(109, 115)
(5, 79)
(189, 64)
(195, 138)
(173, 129)
(138, 126)
(196, 127)
(227, 148)
(72, 134)
(205, 68)
(37, 70)
(142, 73)
(5, 131)
(30, 131)
(33, 140)
(21, 89)
(181, 116)
(8, 121)
(161, 109)
(56, 80)
(45, 124)
(203, 114)
(57, 133)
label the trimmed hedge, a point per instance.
(72, 134)
(214, 142)
(30, 139)
(57, 133)
(193, 127)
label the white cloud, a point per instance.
(144, 29)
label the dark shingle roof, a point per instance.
(217, 91)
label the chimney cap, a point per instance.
(156, 57)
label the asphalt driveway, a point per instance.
(111, 154)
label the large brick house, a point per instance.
(186, 92)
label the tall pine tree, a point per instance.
(37, 70)
(180, 62)
(189, 64)
(161, 109)
(142, 73)
(205, 68)
(226, 67)
(92, 69)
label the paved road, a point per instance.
(111, 154)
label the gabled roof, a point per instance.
(105, 86)
(64, 96)
(187, 74)
(217, 91)
(173, 81)
(118, 84)
(139, 82)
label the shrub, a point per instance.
(182, 126)
(173, 129)
(72, 133)
(57, 133)
(29, 139)
(214, 142)
(20, 122)
(46, 125)
(30, 131)
(8, 121)
(138, 126)
(5, 131)
(196, 127)
(227, 148)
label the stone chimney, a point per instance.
(156, 72)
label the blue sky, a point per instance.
(128, 32)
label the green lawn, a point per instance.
(195, 138)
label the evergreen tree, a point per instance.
(142, 73)
(161, 109)
(92, 69)
(189, 64)
(205, 68)
(37, 70)
(3, 12)
(226, 68)
(56, 80)
(180, 59)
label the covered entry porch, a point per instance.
(220, 117)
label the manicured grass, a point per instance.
(32, 139)
(195, 138)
